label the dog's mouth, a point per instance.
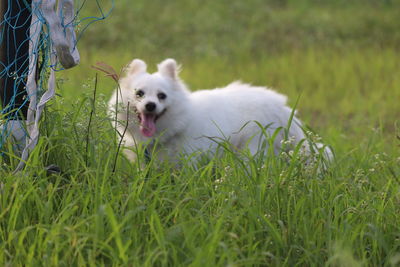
(148, 121)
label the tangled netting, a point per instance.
(38, 38)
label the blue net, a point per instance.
(27, 49)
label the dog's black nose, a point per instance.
(151, 106)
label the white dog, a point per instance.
(159, 106)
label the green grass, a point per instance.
(344, 66)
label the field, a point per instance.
(339, 59)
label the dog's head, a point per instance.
(152, 95)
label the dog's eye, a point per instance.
(139, 93)
(162, 96)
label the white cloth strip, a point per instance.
(62, 48)
(59, 38)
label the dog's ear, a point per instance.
(136, 66)
(169, 68)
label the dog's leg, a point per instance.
(128, 144)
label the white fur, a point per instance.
(192, 120)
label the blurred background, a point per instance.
(340, 58)
(197, 29)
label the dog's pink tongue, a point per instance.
(148, 124)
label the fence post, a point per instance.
(14, 55)
(15, 20)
